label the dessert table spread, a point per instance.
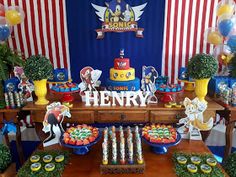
(156, 165)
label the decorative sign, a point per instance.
(118, 16)
(111, 98)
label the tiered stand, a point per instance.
(67, 96)
(162, 148)
(83, 149)
(166, 98)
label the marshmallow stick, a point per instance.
(122, 150)
(105, 153)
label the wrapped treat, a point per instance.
(122, 150)
(234, 96)
(104, 153)
(7, 102)
(17, 99)
(114, 149)
(21, 98)
(130, 153)
(11, 98)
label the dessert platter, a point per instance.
(160, 137)
(80, 138)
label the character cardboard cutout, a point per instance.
(118, 16)
(194, 122)
(90, 80)
(53, 122)
(25, 85)
(149, 75)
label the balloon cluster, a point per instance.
(224, 35)
(13, 15)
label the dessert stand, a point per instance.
(162, 148)
(67, 96)
(83, 149)
(166, 98)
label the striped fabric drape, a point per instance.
(44, 30)
(185, 23)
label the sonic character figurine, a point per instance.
(149, 75)
(89, 78)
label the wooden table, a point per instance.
(156, 165)
(230, 116)
(12, 114)
(111, 114)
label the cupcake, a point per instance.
(35, 166)
(59, 158)
(47, 158)
(192, 168)
(206, 168)
(35, 158)
(181, 160)
(195, 160)
(211, 161)
(49, 167)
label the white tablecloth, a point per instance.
(217, 136)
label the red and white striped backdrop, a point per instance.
(44, 30)
(185, 23)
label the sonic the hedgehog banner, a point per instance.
(118, 16)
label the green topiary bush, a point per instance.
(38, 67)
(230, 165)
(233, 66)
(5, 157)
(202, 66)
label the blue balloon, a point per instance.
(232, 43)
(4, 32)
(225, 26)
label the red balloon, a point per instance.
(2, 13)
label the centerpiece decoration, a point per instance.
(6, 167)
(122, 151)
(202, 67)
(38, 68)
(194, 122)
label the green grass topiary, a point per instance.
(5, 157)
(233, 66)
(230, 165)
(38, 67)
(202, 66)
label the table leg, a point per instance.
(19, 145)
(18, 140)
(229, 138)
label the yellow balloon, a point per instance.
(13, 17)
(225, 9)
(214, 38)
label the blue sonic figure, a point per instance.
(149, 75)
